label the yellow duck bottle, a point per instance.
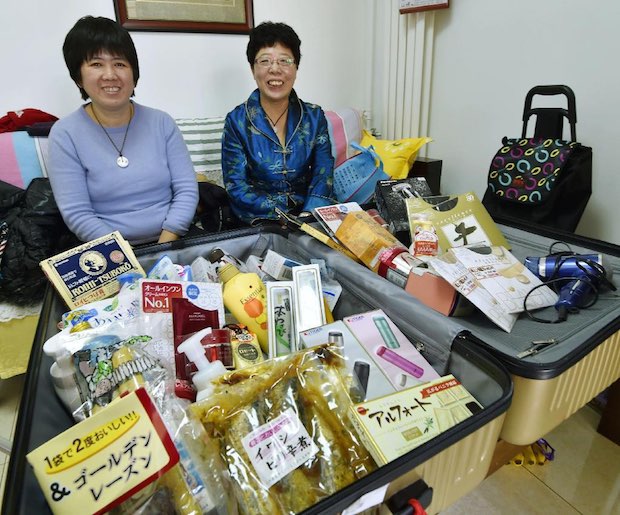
(245, 296)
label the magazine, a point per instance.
(494, 281)
(330, 217)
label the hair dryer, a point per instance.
(581, 275)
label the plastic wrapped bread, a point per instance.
(281, 431)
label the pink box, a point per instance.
(390, 349)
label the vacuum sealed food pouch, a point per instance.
(281, 431)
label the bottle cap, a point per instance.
(227, 272)
(202, 379)
(216, 255)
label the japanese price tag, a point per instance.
(279, 447)
(105, 459)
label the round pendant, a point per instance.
(122, 161)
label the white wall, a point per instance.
(489, 53)
(187, 74)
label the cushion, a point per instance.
(203, 137)
(397, 155)
(22, 158)
(345, 126)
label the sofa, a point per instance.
(24, 157)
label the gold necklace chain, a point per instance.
(121, 160)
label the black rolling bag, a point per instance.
(543, 179)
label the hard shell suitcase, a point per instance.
(552, 384)
(542, 179)
(451, 464)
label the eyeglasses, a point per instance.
(283, 62)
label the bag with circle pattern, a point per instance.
(542, 181)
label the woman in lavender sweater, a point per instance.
(116, 165)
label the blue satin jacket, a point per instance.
(260, 174)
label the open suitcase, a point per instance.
(451, 464)
(553, 384)
(543, 179)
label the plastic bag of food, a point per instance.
(282, 433)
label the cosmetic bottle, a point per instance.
(207, 370)
(245, 296)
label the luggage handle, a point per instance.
(401, 502)
(550, 119)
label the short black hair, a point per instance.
(269, 34)
(90, 35)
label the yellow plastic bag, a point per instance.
(397, 155)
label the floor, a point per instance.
(583, 479)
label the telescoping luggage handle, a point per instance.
(549, 120)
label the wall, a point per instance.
(487, 56)
(187, 74)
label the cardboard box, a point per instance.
(390, 349)
(390, 198)
(374, 383)
(395, 424)
(437, 293)
(370, 242)
(279, 267)
(89, 272)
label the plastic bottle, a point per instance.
(64, 381)
(245, 296)
(424, 237)
(207, 370)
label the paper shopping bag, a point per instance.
(459, 220)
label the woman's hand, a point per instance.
(166, 236)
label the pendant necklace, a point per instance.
(121, 160)
(273, 124)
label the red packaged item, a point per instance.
(188, 319)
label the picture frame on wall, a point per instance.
(414, 6)
(216, 16)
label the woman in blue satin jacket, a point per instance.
(276, 150)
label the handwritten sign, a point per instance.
(105, 459)
(279, 447)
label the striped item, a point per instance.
(4, 232)
(203, 137)
(345, 127)
(22, 158)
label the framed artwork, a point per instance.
(220, 16)
(414, 6)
